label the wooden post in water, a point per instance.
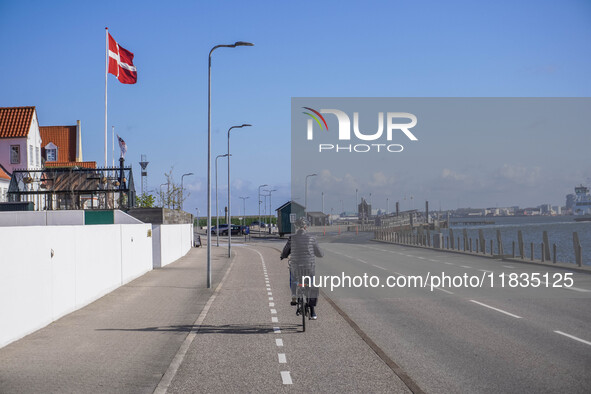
(532, 251)
(554, 253)
(470, 244)
(546, 245)
(482, 241)
(578, 251)
(542, 250)
(491, 247)
(513, 249)
(499, 243)
(451, 238)
(521, 248)
(465, 234)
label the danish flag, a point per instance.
(121, 63)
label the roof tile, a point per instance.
(15, 122)
(64, 137)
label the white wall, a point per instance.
(171, 242)
(87, 263)
(56, 218)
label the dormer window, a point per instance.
(50, 152)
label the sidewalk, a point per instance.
(100, 349)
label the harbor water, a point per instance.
(560, 232)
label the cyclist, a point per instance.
(303, 249)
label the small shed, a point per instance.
(287, 215)
(317, 218)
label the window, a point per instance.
(15, 154)
(51, 154)
(31, 158)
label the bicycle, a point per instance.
(302, 295)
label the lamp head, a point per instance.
(243, 44)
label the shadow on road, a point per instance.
(208, 329)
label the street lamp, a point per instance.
(229, 211)
(236, 44)
(356, 205)
(182, 188)
(244, 208)
(270, 211)
(260, 207)
(217, 210)
(306, 197)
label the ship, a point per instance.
(582, 205)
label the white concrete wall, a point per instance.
(171, 242)
(123, 218)
(56, 218)
(87, 263)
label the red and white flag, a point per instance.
(122, 146)
(121, 63)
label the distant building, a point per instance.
(570, 202)
(364, 210)
(317, 218)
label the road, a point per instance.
(466, 339)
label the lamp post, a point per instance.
(217, 210)
(182, 188)
(244, 208)
(260, 207)
(236, 44)
(306, 197)
(197, 218)
(229, 211)
(270, 211)
(356, 204)
(387, 205)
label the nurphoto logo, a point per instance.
(392, 120)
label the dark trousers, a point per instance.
(295, 275)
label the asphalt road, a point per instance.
(467, 339)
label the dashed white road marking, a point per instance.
(271, 304)
(270, 298)
(448, 263)
(276, 330)
(573, 337)
(274, 320)
(577, 289)
(496, 309)
(364, 262)
(269, 293)
(377, 266)
(282, 358)
(465, 266)
(274, 311)
(279, 342)
(508, 266)
(435, 261)
(285, 376)
(485, 270)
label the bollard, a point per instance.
(513, 249)
(546, 247)
(482, 241)
(500, 243)
(477, 246)
(554, 253)
(470, 245)
(491, 247)
(532, 251)
(521, 248)
(458, 243)
(542, 250)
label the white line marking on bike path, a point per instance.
(279, 342)
(286, 377)
(282, 358)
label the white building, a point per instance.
(4, 183)
(20, 140)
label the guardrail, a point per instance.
(478, 246)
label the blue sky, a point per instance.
(54, 59)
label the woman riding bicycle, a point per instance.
(303, 249)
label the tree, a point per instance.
(145, 201)
(172, 196)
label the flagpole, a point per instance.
(106, 72)
(113, 141)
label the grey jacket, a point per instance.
(303, 249)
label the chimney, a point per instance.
(79, 142)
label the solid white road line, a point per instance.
(573, 337)
(286, 377)
(496, 309)
(282, 358)
(279, 342)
